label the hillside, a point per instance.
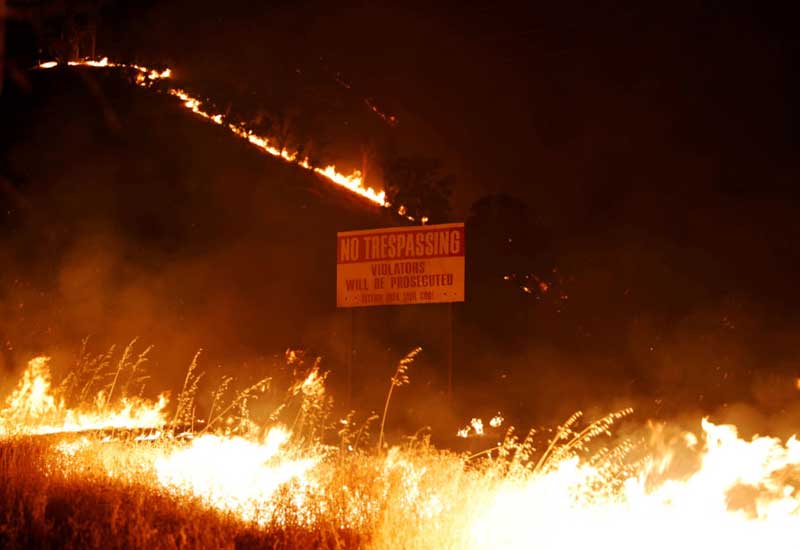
(125, 215)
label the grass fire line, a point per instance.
(242, 477)
(400, 265)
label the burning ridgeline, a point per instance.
(146, 77)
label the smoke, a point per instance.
(123, 216)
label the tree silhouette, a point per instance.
(505, 240)
(510, 266)
(418, 186)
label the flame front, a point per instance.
(34, 408)
(353, 182)
(708, 490)
(237, 475)
(741, 497)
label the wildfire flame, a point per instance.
(236, 475)
(712, 490)
(477, 428)
(496, 421)
(34, 408)
(353, 182)
(741, 496)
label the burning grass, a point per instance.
(49, 502)
(298, 479)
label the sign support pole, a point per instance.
(350, 345)
(450, 322)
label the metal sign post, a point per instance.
(450, 352)
(350, 345)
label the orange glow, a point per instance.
(236, 475)
(477, 428)
(34, 407)
(704, 505)
(720, 490)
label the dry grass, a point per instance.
(43, 505)
(105, 489)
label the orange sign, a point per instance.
(400, 265)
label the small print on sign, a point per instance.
(400, 265)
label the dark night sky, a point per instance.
(574, 107)
(572, 104)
